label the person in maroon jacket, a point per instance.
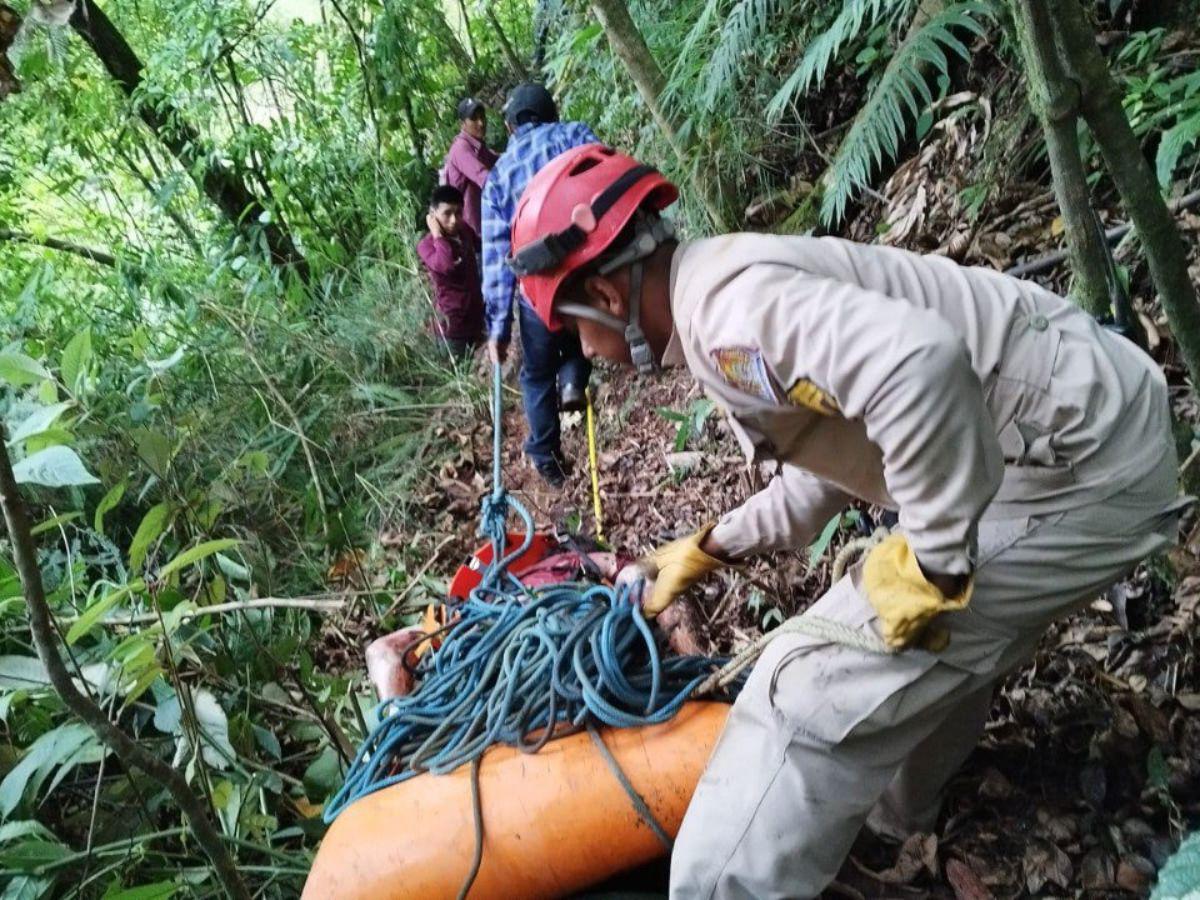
(469, 160)
(448, 252)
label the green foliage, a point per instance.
(900, 97)
(195, 428)
(689, 424)
(855, 19)
(744, 28)
(1161, 99)
(1179, 879)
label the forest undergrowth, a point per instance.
(247, 413)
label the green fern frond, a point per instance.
(681, 85)
(879, 130)
(1179, 879)
(745, 25)
(856, 17)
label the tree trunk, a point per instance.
(126, 749)
(629, 45)
(513, 60)
(219, 183)
(10, 24)
(1055, 99)
(466, 17)
(444, 34)
(1100, 102)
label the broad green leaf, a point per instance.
(20, 370)
(27, 673)
(159, 366)
(96, 611)
(53, 522)
(194, 554)
(51, 437)
(323, 776)
(76, 358)
(27, 887)
(10, 831)
(53, 467)
(167, 715)
(232, 569)
(160, 890)
(30, 856)
(47, 752)
(821, 544)
(108, 502)
(38, 421)
(268, 742)
(153, 524)
(213, 725)
(155, 450)
(22, 673)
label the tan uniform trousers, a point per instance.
(824, 735)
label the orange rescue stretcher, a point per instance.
(554, 822)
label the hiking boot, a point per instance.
(552, 471)
(572, 399)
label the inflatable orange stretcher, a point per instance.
(554, 822)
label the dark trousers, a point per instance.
(549, 360)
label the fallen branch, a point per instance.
(1112, 236)
(126, 749)
(90, 253)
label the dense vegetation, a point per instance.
(217, 380)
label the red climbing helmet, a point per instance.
(571, 211)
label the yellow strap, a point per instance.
(595, 469)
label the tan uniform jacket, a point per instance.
(908, 381)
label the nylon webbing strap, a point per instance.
(638, 801)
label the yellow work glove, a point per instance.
(670, 570)
(900, 593)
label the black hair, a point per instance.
(445, 193)
(529, 102)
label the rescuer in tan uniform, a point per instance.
(1027, 451)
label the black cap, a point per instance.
(529, 102)
(469, 107)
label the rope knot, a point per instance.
(494, 514)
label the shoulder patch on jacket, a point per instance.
(804, 393)
(744, 369)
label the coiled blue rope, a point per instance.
(520, 661)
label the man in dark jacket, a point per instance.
(448, 252)
(469, 160)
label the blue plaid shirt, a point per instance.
(530, 148)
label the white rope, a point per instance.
(823, 629)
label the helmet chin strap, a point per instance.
(651, 232)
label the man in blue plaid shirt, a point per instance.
(554, 371)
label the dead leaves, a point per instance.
(917, 854)
(965, 882)
(1045, 863)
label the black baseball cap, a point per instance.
(469, 108)
(529, 102)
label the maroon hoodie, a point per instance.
(455, 276)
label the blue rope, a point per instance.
(519, 661)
